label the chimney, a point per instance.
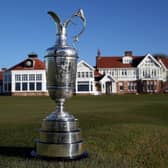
(32, 55)
(128, 53)
(98, 52)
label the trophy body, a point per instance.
(60, 136)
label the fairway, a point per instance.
(126, 131)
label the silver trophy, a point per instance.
(60, 136)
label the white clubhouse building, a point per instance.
(131, 74)
(26, 78)
(111, 75)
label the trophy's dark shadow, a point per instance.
(25, 153)
(14, 151)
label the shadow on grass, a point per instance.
(26, 153)
(12, 151)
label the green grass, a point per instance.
(127, 131)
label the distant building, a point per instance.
(85, 83)
(131, 74)
(111, 75)
(26, 78)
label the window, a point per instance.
(121, 86)
(18, 77)
(83, 74)
(129, 86)
(87, 74)
(83, 86)
(9, 86)
(132, 86)
(124, 72)
(38, 76)
(24, 77)
(6, 77)
(151, 86)
(134, 73)
(148, 61)
(32, 77)
(91, 74)
(154, 73)
(143, 73)
(38, 86)
(24, 86)
(17, 86)
(31, 86)
(6, 87)
(78, 74)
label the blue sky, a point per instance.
(112, 25)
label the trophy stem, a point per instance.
(60, 107)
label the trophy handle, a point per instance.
(56, 20)
(80, 14)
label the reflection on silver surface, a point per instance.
(60, 137)
(59, 150)
(64, 126)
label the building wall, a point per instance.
(29, 81)
(25, 82)
(148, 86)
(120, 73)
(127, 87)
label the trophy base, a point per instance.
(60, 138)
(59, 151)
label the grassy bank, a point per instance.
(118, 131)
